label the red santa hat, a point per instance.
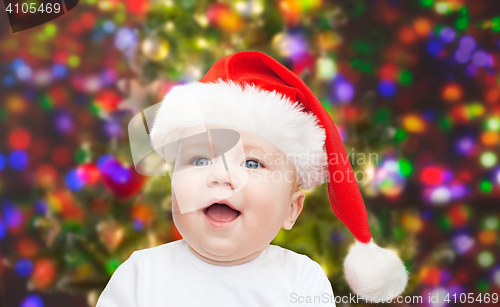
(253, 92)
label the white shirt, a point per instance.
(171, 275)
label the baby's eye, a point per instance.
(253, 164)
(202, 162)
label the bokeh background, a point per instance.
(415, 83)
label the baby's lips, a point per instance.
(220, 201)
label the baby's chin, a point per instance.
(223, 250)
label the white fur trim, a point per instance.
(269, 115)
(375, 273)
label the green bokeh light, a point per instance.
(461, 23)
(111, 265)
(426, 3)
(361, 46)
(495, 24)
(46, 103)
(3, 114)
(405, 77)
(405, 168)
(485, 186)
(483, 286)
(400, 135)
(81, 155)
(446, 123)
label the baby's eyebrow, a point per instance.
(196, 145)
(254, 147)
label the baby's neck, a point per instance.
(226, 263)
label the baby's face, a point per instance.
(231, 207)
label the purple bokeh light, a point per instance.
(467, 43)
(465, 145)
(448, 34)
(462, 56)
(481, 58)
(344, 91)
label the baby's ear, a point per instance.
(294, 208)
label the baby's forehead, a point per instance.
(224, 134)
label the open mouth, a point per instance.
(220, 214)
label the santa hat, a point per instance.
(253, 92)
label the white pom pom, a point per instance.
(375, 273)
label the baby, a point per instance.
(243, 140)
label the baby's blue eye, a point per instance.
(253, 164)
(202, 162)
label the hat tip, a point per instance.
(375, 273)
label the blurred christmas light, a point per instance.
(101, 162)
(429, 275)
(412, 223)
(491, 223)
(432, 175)
(496, 277)
(387, 89)
(155, 48)
(481, 59)
(125, 38)
(18, 159)
(413, 123)
(24, 267)
(458, 191)
(493, 123)
(88, 173)
(19, 138)
(422, 26)
(64, 122)
(3, 229)
(467, 44)
(2, 162)
(485, 186)
(471, 70)
(435, 47)
(32, 300)
(490, 138)
(325, 68)
(73, 181)
(485, 259)
(405, 168)
(452, 92)
(59, 70)
(487, 237)
(440, 196)
(292, 46)
(465, 145)
(463, 243)
(405, 77)
(44, 272)
(448, 34)
(488, 159)
(344, 91)
(108, 26)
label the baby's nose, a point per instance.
(216, 183)
(219, 176)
